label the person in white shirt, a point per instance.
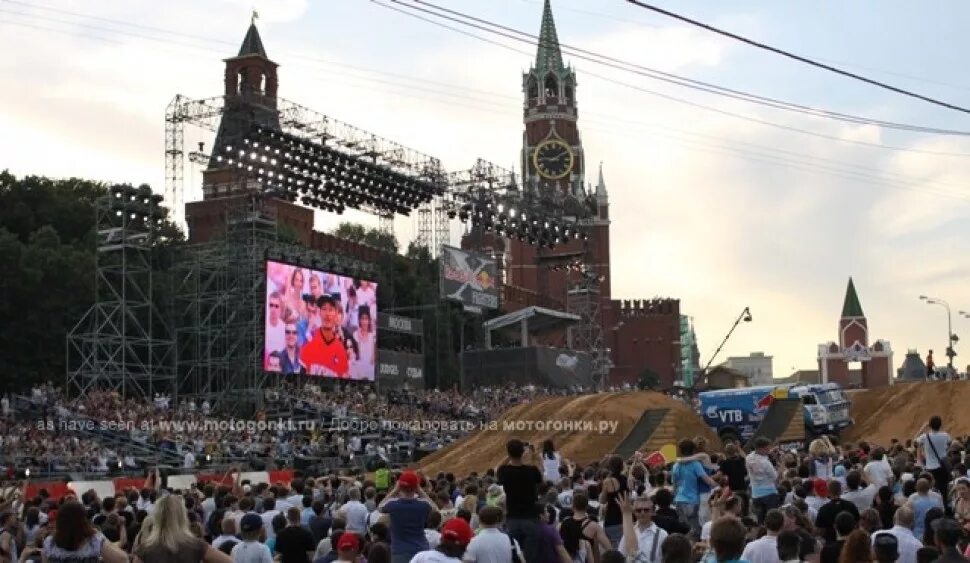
(251, 550)
(491, 545)
(188, 462)
(878, 471)
(903, 531)
(858, 495)
(228, 533)
(269, 512)
(648, 536)
(765, 550)
(354, 512)
(551, 461)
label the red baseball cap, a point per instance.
(409, 479)
(457, 530)
(348, 540)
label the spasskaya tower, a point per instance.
(553, 165)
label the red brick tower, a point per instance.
(853, 346)
(554, 169)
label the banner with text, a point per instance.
(399, 370)
(397, 323)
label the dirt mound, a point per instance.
(583, 428)
(901, 410)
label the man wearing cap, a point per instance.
(251, 550)
(906, 542)
(408, 507)
(325, 353)
(456, 534)
(348, 548)
(947, 535)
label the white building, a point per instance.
(756, 366)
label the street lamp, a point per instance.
(744, 316)
(951, 338)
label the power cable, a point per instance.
(799, 58)
(521, 36)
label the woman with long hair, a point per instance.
(614, 485)
(294, 293)
(169, 539)
(76, 539)
(822, 456)
(32, 525)
(857, 548)
(551, 461)
(885, 504)
(961, 506)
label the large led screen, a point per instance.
(319, 323)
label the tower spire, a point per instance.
(252, 44)
(601, 184)
(851, 307)
(548, 56)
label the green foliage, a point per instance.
(364, 235)
(47, 240)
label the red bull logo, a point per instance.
(764, 403)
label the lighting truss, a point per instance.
(488, 197)
(318, 175)
(136, 207)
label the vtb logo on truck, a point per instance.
(725, 416)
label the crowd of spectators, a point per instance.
(908, 501)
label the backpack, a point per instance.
(571, 532)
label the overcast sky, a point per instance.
(718, 211)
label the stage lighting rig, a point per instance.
(137, 208)
(525, 225)
(321, 176)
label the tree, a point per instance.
(648, 379)
(369, 236)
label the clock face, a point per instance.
(553, 159)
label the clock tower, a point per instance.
(552, 152)
(553, 168)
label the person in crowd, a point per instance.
(961, 502)
(885, 504)
(826, 520)
(491, 545)
(581, 527)
(763, 477)
(878, 471)
(788, 543)
(269, 513)
(274, 335)
(75, 538)
(551, 462)
(921, 503)
(857, 548)
(320, 522)
(733, 467)
(821, 459)
(294, 543)
(326, 353)
(642, 537)
(728, 538)
(859, 495)
(250, 549)
(290, 355)
(520, 480)
(408, 506)
(613, 486)
(676, 549)
(765, 549)
(686, 477)
(354, 512)
(170, 540)
(665, 515)
(927, 554)
(456, 534)
(885, 549)
(948, 533)
(228, 526)
(843, 525)
(902, 530)
(366, 339)
(934, 444)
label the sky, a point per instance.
(719, 211)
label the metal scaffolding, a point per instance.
(583, 300)
(123, 343)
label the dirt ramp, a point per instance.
(901, 410)
(583, 428)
